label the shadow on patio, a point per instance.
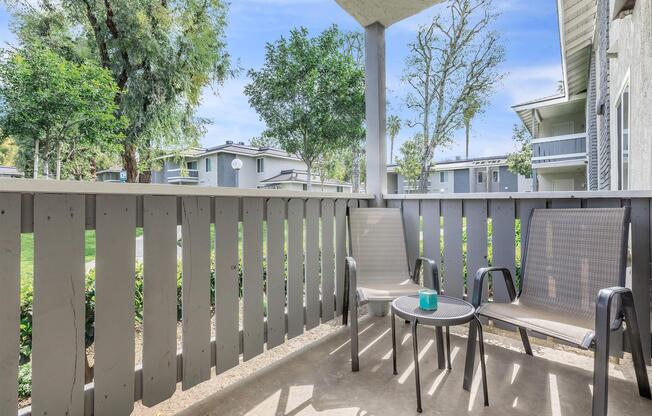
(319, 381)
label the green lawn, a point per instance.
(27, 255)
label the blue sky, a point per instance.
(530, 35)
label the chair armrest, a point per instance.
(350, 278)
(476, 298)
(431, 273)
(605, 300)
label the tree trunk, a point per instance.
(130, 163)
(58, 161)
(36, 151)
(46, 160)
(423, 178)
(356, 170)
(309, 177)
(391, 150)
(467, 128)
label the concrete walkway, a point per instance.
(318, 381)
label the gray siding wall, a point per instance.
(508, 180)
(592, 127)
(604, 148)
(225, 173)
(461, 181)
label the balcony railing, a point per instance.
(557, 151)
(265, 232)
(59, 213)
(177, 176)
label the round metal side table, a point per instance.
(451, 311)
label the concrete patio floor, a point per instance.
(318, 380)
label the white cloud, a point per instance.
(530, 82)
(229, 110)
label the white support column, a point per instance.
(376, 111)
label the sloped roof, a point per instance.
(299, 176)
(385, 12)
(576, 29)
(10, 171)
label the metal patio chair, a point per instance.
(574, 268)
(377, 269)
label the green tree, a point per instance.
(309, 93)
(54, 108)
(454, 57)
(393, 128)
(520, 161)
(263, 141)
(161, 54)
(409, 161)
(8, 152)
(472, 106)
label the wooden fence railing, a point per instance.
(453, 230)
(58, 213)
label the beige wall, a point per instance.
(564, 181)
(631, 39)
(546, 128)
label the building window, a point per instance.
(260, 165)
(340, 189)
(191, 165)
(622, 119)
(443, 177)
(495, 177)
(480, 176)
(305, 187)
(208, 164)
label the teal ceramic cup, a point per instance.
(428, 300)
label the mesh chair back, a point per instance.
(378, 245)
(571, 254)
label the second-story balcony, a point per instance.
(183, 176)
(559, 151)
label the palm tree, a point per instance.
(393, 127)
(472, 106)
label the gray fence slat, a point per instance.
(353, 203)
(503, 244)
(603, 203)
(394, 203)
(252, 271)
(295, 267)
(412, 223)
(340, 253)
(275, 272)
(115, 241)
(196, 289)
(640, 228)
(58, 310)
(431, 231)
(476, 242)
(362, 203)
(312, 263)
(327, 260)
(566, 203)
(227, 292)
(160, 298)
(10, 215)
(453, 261)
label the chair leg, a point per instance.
(345, 306)
(526, 341)
(470, 356)
(635, 342)
(601, 373)
(394, 343)
(482, 365)
(355, 359)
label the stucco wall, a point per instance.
(207, 178)
(547, 181)
(631, 38)
(546, 127)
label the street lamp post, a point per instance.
(236, 164)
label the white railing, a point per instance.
(436, 225)
(58, 213)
